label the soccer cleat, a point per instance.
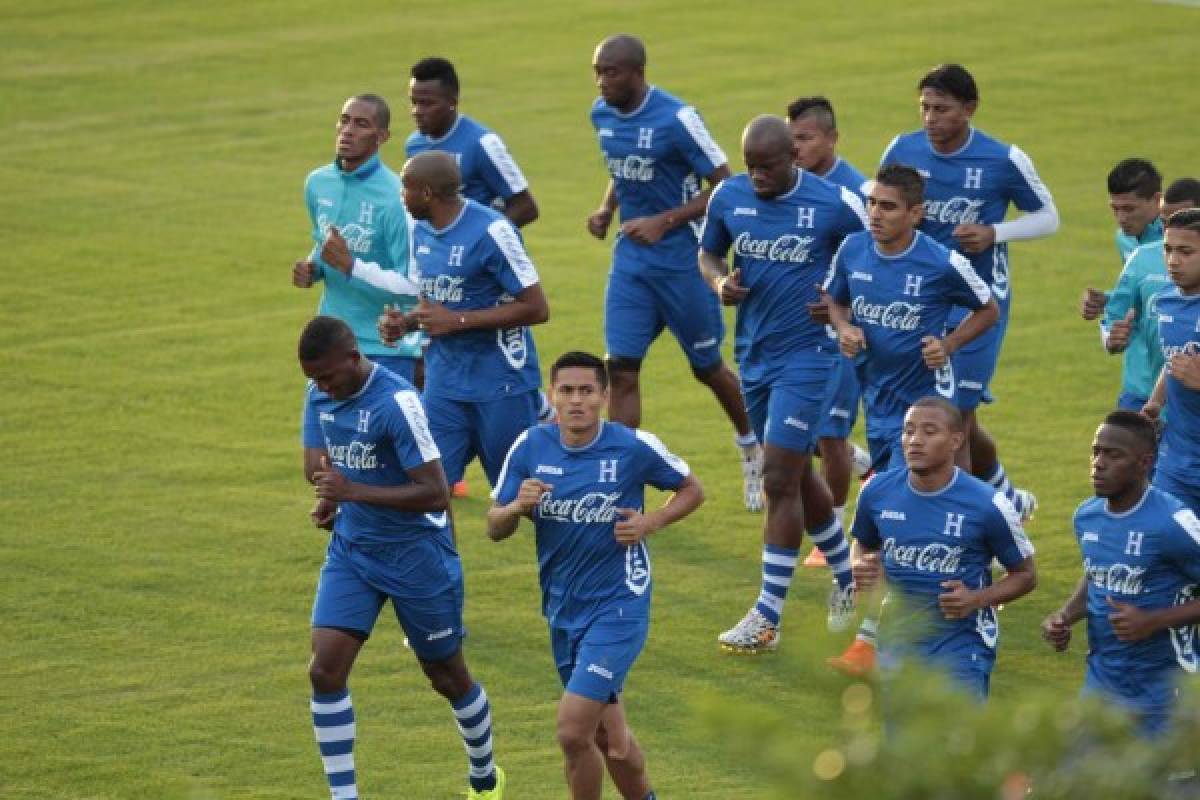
(841, 608)
(816, 559)
(754, 634)
(858, 661)
(1026, 503)
(460, 489)
(546, 412)
(862, 462)
(496, 793)
(752, 481)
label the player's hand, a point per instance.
(335, 252)
(1129, 622)
(530, 495)
(303, 274)
(324, 513)
(975, 238)
(957, 602)
(330, 484)
(933, 350)
(729, 288)
(1119, 333)
(437, 320)
(819, 311)
(392, 325)
(1185, 368)
(866, 571)
(1092, 304)
(633, 526)
(598, 222)
(851, 340)
(1056, 631)
(1152, 410)
(646, 230)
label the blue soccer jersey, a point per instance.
(657, 156)
(973, 185)
(374, 438)
(489, 173)
(783, 247)
(1148, 557)
(365, 206)
(583, 570)
(1179, 331)
(897, 301)
(475, 262)
(927, 538)
(844, 174)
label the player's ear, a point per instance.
(382, 136)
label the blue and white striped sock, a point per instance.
(333, 721)
(473, 714)
(868, 631)
(999, 480)
(828, 536)
(778, 566)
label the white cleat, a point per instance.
(1026, 503)
(752, 481)
(841, 609)
(753, 635)
(862, 461)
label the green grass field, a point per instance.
(158, 564)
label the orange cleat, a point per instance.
(460, 489)
(816, 559)
(858, 661)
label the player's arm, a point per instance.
(529, 307)
(835, 297)
(972, 327)
(426, 490)
(1056, 628)
(1120, 311)
(635, 526)
(599, 220)
(864, 552)
(1030, 195)
(324, 511)
(521, 209)
(1007, 542)
(503, 518)
(308, 271)
(649, 230)
(1158, 397)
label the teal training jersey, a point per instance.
(366, 207)
(1142, 280)
(1126, 244)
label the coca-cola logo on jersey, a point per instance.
(898, 315)
(1169, 351)
(790, 247)
(955, 211)
(443, 288)
(1118, 578)
(593, 507)
(356, 455)
(632, 168)
(933, 557)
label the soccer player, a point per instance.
(657, 150)
(891, 292)
(479, 294)
(783, 225)
(815, 137)
(1130, 320)
(582, 483)
(1141, 565)
(355, 209)
(970, 181)
(932, 531)
(1178, 387)
(381, 491)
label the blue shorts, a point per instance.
(1152, 704)
(1187, 494)
(886, 452)
(422, 578)
(975, 364)
(787, 410)
(592, 662)
(464, 430)
(403, 366)
(842, 412)
(637, 308)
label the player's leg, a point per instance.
(450, 426)
(583, 763)
(404, 366)
(497, 425)
(693, 315)
(631, 324)
(838, 457)
(622, 753)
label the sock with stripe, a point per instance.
(868, 631)
(473, 714)
(1000, 482)
(778, 566)
(333, 722)
(828, 536)
(748, 444)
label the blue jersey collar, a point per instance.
(1152, 232)
(441, 231)
(368, 168)
(958, 152)
(447, 134)
(875, 246)
(581, 448)
(949, 485)
(641, 106)
(1136, 506)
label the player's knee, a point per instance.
(708, 373)
(574, 738)
(448, 684)
(779, 482)
(324, 679)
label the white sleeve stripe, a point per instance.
(855, 203)
(1190, 524)
(968, 274)
(675, 462)
(700, 135)
(414, 412)
(888, 150)
(1014, 523)
(498, 154)
(505, 237)
(508, 457)
(1024, 165)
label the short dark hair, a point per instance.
(1188, 219)
(1184, 190)
(324, 335)
(437, 69)
(1139, 425)
(951, 79)
(1135, 175)
(578, 358)
(953, 416)
(818, 106)
(903, 177)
